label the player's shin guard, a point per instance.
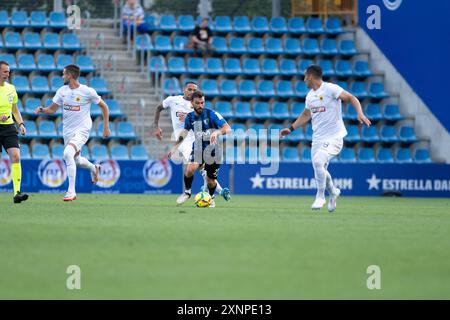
(69, 154)
(16, 173)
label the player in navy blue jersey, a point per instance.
(207, 126)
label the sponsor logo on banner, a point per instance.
(407, 184)
(295, 183)
(109, 173)
(157, 173)
(52, 173)
(5, 172)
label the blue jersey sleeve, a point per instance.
(217, 119)
(188, 122)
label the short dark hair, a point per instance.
(197, 94)
(190, 82)
(314, 70)
(74, 70)
(2, 62)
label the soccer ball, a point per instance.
(202, 199)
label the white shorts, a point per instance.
(184, 151)
(78, 139)
(332, 147)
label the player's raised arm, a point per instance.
(348, 97)
(157, 130)
(302, 119)
(51, 109)
(105, 110)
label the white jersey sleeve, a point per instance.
(95, 98)
(167, 102)
(335, 90)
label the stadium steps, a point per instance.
(140, 87)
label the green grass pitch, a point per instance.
(144, 247)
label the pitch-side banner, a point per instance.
(50, 175)
(414, 180)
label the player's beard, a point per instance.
(66, 82)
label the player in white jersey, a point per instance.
(76, 99)
(179, 107)
(323, 107)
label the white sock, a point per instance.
(205, 184)
(319, 164)
(69, 154)
(84, 163)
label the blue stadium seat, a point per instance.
(57, 151)
(250, 66)
(407, 134)
(366, 155)
(61, 129)
(180, 44)
(373, 112)
(292, 46)
(314, 25)
(273, 130)
(46, 63)
(237, 45)
(176, 65)
(327, 68)
(278, 25)
(296, 109)
(247, 88)
(228, 88)
(31, 129)
(143, 42)
(265, 88)
(100, 85)
(186, 23)
(112, 128)
(274, 46)
(32, 40)
(167, 22)
(24, 151)
(243, 110)
(40, 151)
(296, 25)
(220, 45)
(376, 90)
(158, 64)
(51, 41)
(57, 20)
(224, 108)
(85, 63)
(296, 136)
(26, 62)
(361, 69)
(343, 68)
(347, 47)
(232, 66)
(359, 89)
(223, 24)
(392, 112)
(350, 113)
(162, 44)
(347, 155)
(311, 46)
(95, 110)
(388, 134)
(241, 24)
(352, 134)
(308, 132)
(70, 41)
(195, 65)
(370, 134)
(151, 22)
(403, 155)
(4, 19)
(214, 66)
(269, 67)
(119, 152)
(261, 110)
(30, 105)
(21, 83)
(280, 110)
(83, 80)
(210, 87)
(422, 156)
(39, 85)
(38, 19)
(290, 154)
(301, 89)
(171, 86)
(306, 154)
(114, 107)
(284, 89)
(256, 46)
(288, 67)
(334, 25)
(255, 130)
(13, 40)
(260, 24)
(20, 19)
(238, 132)
(47, 129)
(343, 84)
(384, 155)
(56, 83)
(138, 152)
(329, 47)
(10, 58)
(99, 152)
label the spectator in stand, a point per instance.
(201, 39)
(131, 12)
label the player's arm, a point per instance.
(18, 117)
(302, 119)
(51, 109)
(225, 129)
(180, 140)
(348, 97)
(105, 111)
(157, 130)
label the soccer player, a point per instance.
(323, 107)
(179, 107)
(76, 99)
(8, 131)
(207, 125)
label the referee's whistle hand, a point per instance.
(23, 130)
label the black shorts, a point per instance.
(212, 170)
(9, 136)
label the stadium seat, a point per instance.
(38, 19)
(373, 112)
(238, 132)
(21, 83)
(214, 66)
(260, 24)
(306, 154)
(32, 40)
(85, 63)
(176, 65)
(391, 112)
(366, 155)
(138, 152)
(125, 129)
(19, 19)
(31, 129)
(329, 47)
(186, 23)
(284, 89)
(26, 62)
(228, 88)
(269, 67)
(290, 154)
(274, 46)
(250, 66)
(114, 107)
(327, 68)
(403, 155)
(232, 66)
(30, 105)
(422, 156)
(167, 22)
(224, 108)
(388, 134)
(243, 110)
(255, 46)
(46, 63)
(151, 22)
(334, 26)
(143, 42)
(195, 65)
(407, 134)
(95, 110)
(100, 85)
(223, 24)
(301, 89)
(112, 128)
(261, 110)
(180, 44)
(361, 69)
(47, 129)
(56, 83)
(376, 90)
(171, 86)
(10, 58)
(40, 151)
(219, 45)
(296, 136)
(347, 47)
(162, 44)
(99, 152)
(296, 25)
(51, 41)
(384, 155)
(347, 155)
(60, 130)
(343, 84)
(311, 47)
(57, 151)
(158, 64)
(241, 24)
(292, 46)
(370, 134)
(4, 19)
(353, 134)
(210, 87)
(343, 68)
(24, 151)
(351, 113)
(359, 89)
(314, 25)
(280, 110)
(119, 152)
(255, 131)
(237, 45)
(288, 67)
(265, 88)
(13, 40)
(308, 132)
(247, 88)
(296, 109)
(278, 25)
(70, 41)
(57, 20)
(39, 85)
